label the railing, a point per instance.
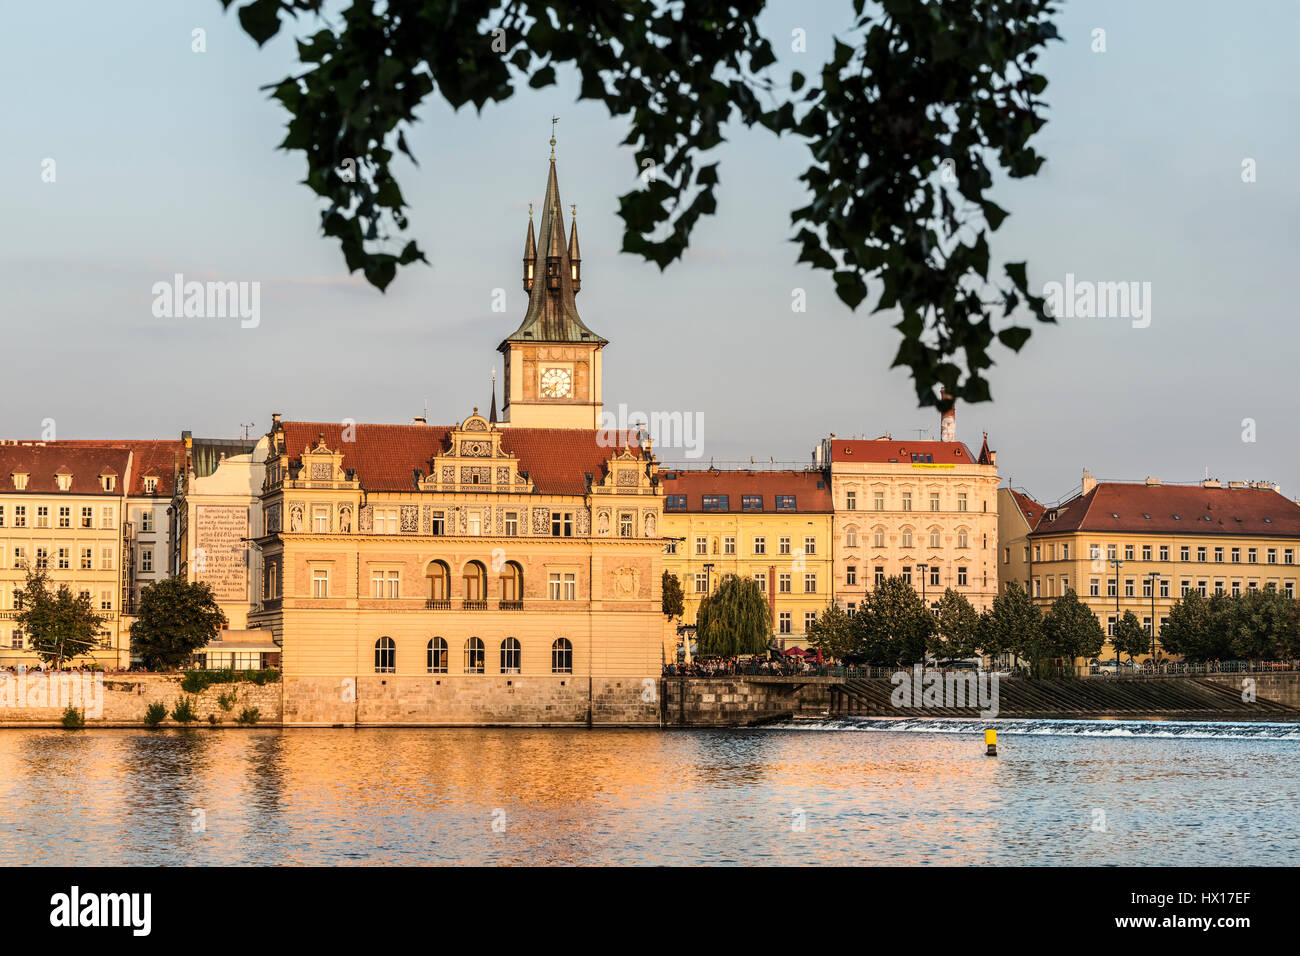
(1107, 669)
(474, 605)
(510, 606)
(438, 604)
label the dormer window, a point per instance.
(108, 482)
(150, 486)
(64, 481)
(20, 481)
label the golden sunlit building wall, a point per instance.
(771, 526)
(1139, 546)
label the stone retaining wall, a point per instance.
(742, 701)
(125, 699)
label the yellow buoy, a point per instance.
(991, 740)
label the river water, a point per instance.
(845, 792)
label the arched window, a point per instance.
(437, 656)
(474, 656)
(934, 537)
(878, 538)
(907, 538)
(512, 583)
(561, 656)
(511, 656)
(475, 582)
(439, 576)
(961, 539)
(851, 538)
(385, 656)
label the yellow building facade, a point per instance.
(771, 526)
(1139, 546)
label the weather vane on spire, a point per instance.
(554, 120)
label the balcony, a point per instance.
(438, 605)
(510, 606)
(474, 605)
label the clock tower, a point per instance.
(552, 361)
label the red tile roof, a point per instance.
(811, 490)
(1176, 509)
(893, 450)
(1030, 508)
(42, 462)
(160, 458)
(386, 457)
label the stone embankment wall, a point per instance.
(125, 698)
(1283, 688)
(742, 701)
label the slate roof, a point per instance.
(1176, 509)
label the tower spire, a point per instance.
(575, 256)
(493, 416)
(530, 253)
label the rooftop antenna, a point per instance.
(426, 408)
(246, 427)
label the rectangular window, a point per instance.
(87, 517)
(1202, 587)
(961, 577)
(878, 501)
(701, 545)
(65, 516)
(1164, 552)
(512, 524)
(106, 559)
(625, 524)
(717, 502)
(1112, 552)
(42, 558)
(675, 503)
(106, 517)
(809, 545)
(783, 545)
(65, 562)
(851, 500)
(1065, 583)
(563, 586)
(146, 521)
(1110, 587)
(879, 576)
(87, 559)
(1094, 588)
(474, 524)
(809, 619)
(1236, 555)
(1130, 587)
(751, 502)
(1252, 555)
(907, 574)
(810, 583)
(729, 544)
(934, 577)
(570, 587)
(907, 501)
(1288, 556)
(42, 516)
(785, 622)
(320, 583)
(2, 516)
(439, 524)
(1094, 552)
(1218, 587)
(783, 583)
(760, 545)
(701, 582)
(1184, 553)
(20, 516)
(785, 503)
(1185, 587)
(1164, 587)
(1200, 554)
(961, 501)
(1146, 552)
(1272, 555)
(106, 600)
(761, 579)
(1006, 555)
(1218, 555)
(386, 521)
(1065, 551)
(320, 519)
(934, 501)
(1146, 587)
(146, 560)
(851, 575)
(562, 524)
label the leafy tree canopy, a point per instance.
(674, 602)
(906, 126)
(59, 625)
(176, 617)
(833, 633)
(894, 625)
(1072, 629)
(1130, 637)
(735, 619)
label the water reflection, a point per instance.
(641, 797)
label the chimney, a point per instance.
(1089, 482)
(1152, 482)
(1211, 483)
(948, 420)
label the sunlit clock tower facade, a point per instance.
(552, 361)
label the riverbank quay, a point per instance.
(741, 700)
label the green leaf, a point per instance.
(1014, 338)
(261, 19)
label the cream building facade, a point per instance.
(482, 572)
(925, 511)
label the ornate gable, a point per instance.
(475, 461)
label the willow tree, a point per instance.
(735, 619)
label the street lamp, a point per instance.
(1154, 576)
(922, 568)
(1114, 631)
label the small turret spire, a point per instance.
(575, 255)
(530, 252)
(493, 416)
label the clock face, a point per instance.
(557, 383)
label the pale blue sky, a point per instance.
(166, 163)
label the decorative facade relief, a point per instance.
(426, 520)
(503, 476)
(273, 519)
(584, 522)
(602, 522)
(649, 522)
(448, 474)
(541, 521)
(345, 519)
(410, 519)
(295, 516)
(366, 522)
(468, 474)
(322, 471)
